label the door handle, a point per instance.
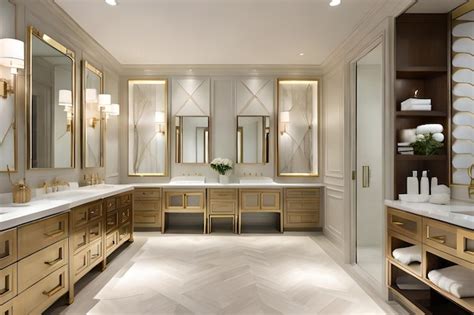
(365, 176)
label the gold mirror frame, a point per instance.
(265, 154)
(179, 140)
(280, 129)
(33, 32)
(87, 66)
(163, 129)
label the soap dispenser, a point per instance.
(425, 184)
(412, 184)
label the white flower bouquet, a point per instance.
(429, 139)
(222, 166)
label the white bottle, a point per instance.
(434, 183)
(425, 184)
(412, 184)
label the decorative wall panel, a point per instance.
(190, 97)
(254, 96)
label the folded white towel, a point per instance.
(429, 128)
(417, 101)
(457, 280)
(408, 255)
(408, 107)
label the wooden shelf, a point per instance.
(420, 72)
(419, 113)
(401, 157)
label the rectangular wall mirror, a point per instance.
(192, 139)
(92, 118)
(297, 139)
(253, 135)
(147, 127)
(50, 102)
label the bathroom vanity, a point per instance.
(52, 242)
(444, 236)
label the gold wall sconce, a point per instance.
(12, 55)
(284, 121)
(65, 100)
(111, 110)
(93, 122)
(160, 120)
(104, 100)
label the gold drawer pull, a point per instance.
(438, 239)
(95, 256)
(53, 262)
(54, 290)
(54, 233)
(6, 253)
(111, 223)
(7, 285)
(470, 252)
(398, 223)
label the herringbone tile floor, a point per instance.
(212, 274)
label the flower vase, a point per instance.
(224, 179)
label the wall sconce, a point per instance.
(12, 55)
(104, 101)
(65, 100)
(160, 122)
(112, 110)
(93, 122)
(91, 96)
(284, 120)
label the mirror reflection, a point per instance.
(92, 120)
(192, 139)
(253, 133)
(51, 103)
(297, 140)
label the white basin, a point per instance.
(189, 180)
(256, 180)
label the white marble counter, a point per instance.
(456, 212)
(54, 203)
(230, 185)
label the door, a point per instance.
(369, 162)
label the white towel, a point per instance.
(457, 280)
(408, 255)
(417, 101)
(408, 107)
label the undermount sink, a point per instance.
(189, 179)
(255, 180)
(68, 194)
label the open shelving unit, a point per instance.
(422, 63)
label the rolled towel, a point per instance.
(457, 280)
(408, 255)
(429, 128)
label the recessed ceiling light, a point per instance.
(334, 3)
(111, 2)
(190, 70)
(301, 54)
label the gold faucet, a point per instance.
(471, 185)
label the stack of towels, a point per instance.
(416, 104)
(405, 148)
(408, 255)
(457, 280)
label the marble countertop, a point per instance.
(456, 212)
(12, 215)
(230, 185)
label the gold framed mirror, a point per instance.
(148, 127)
(192, 139)
(92, 118)
(50, 103)
(253, 139)
(298, 134)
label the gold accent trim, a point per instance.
(463, 9)
(265, 142)
(277, 124)
(31, 31)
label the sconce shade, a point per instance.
(91, 96)
(12, 53)
(112, 109)
(285, 117)
(65, 98)
(104, 100)
(160, 117)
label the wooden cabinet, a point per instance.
(183, 201)
(222, 204)
(120, 217)
(8, 247)
(260, 200)
(147, 208)
(302, 208)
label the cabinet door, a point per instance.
(270, 200)
(174, 200)
(250, 200)
(194, 200)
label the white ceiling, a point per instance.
(219, 31)
(435, 6)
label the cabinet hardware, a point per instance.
(53, 262)
(53, 291)
(54, 233)
(365, 176)
(7, 286)
(6, 253)
(470, 252)
(438, 239)
(398, 223)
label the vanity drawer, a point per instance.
(222, 207)
(147, 193)
(39, 297)
(95, 211)
(302, 193)
(96, 253)
(302, 205)
(302, 220)
(8, 248)
(79, 239)
(405, 223)
(111, 242)
(80, 264)
(147, 205)
(226, 194)
(86, 213)
(8, 283)
(35, 236)
(465, 244)
(124, 215)
(110, 204)
(95, 230)
(112, 221)
(124, 200)
(35, 267)
(440, 235)
(147, 219)
(9, 308)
